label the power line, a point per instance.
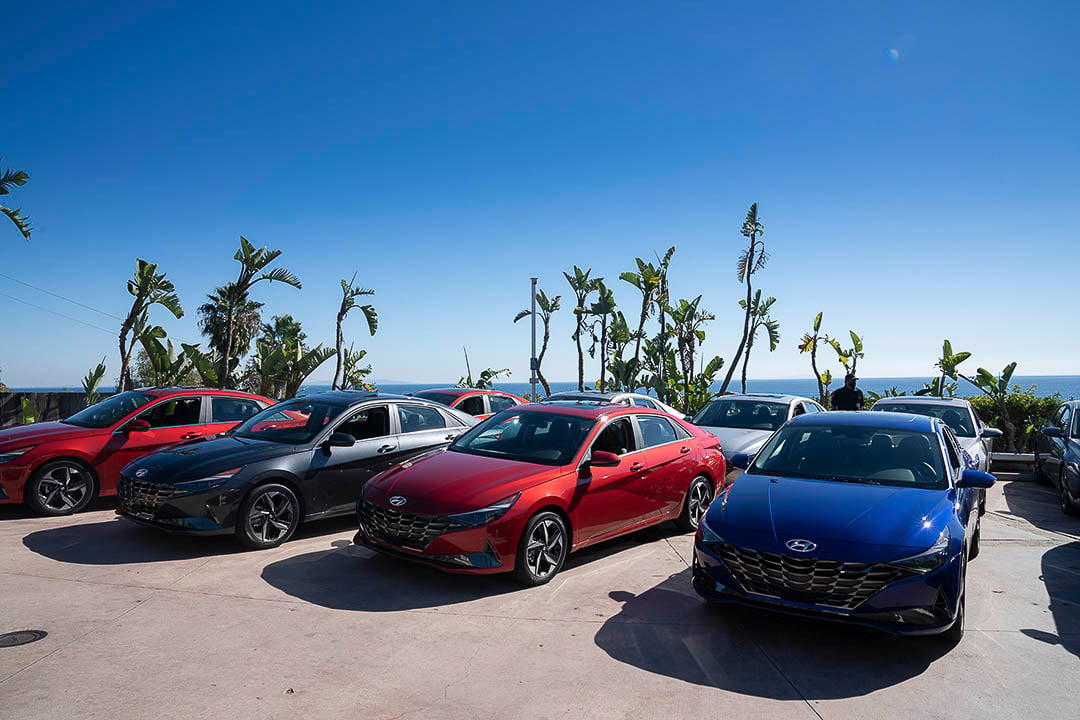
(55, 295)
(66, 317)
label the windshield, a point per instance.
(743, 414)
(536, 437)
(858, 454)
(293, 422)
(959, 419)
(110, 410)
(443, 398)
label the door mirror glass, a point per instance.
(1051, 431)
(602, 458)
(137, 425)
(975, 479)
(340, 439)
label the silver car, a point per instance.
(974, 437)
(615, 398)
(744, 422)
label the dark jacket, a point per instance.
(845, 399)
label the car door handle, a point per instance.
(636, 466)
(452, 436)
(190, 436)
(385, 448)
(683, 451)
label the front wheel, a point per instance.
(268, 517)
(956, 632)
(542, 550)
(1067, 505)
(698, 497)
(61, 487)
(1040, 476)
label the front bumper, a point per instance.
(918, 605)
(168, 508)
(13, 478)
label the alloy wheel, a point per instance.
(546, 548)
(63, 488)
(271, 516)
(698, 502)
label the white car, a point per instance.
(744, 422)
(616, 398)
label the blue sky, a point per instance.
(914, 165)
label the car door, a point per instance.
(1057, 445)
(226, 412)
(608, 500)
(968, 499)
(672, 463)
(498, 403)
(422, 428)
(339, 473)
(172, 420)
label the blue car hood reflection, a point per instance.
(829, 513)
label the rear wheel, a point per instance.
(61, 487)
(1067, 505)
(268, 516)
(698, 497)
(542, 549)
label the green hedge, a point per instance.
(1028, 411)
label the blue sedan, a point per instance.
(866, 518)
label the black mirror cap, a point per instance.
(1051, 431)
(976, 479)
(739, 460)
(340, 439)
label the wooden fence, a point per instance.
(49, 406)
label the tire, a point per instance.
(696, 502)
(268, 516)
(1067, 505)
(60, 487)
(973, 549)
(1040, 476)
(542, 549)
(955, 633)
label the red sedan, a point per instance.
(479, 403)
(56, 468)
(519, 492)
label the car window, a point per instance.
(171, 413)
(443, 398)
(292, 422)
(1058, 414)
(109, 410)
(811, 407)
(227, 409)
(371, 422)
(416, 418)
(1076, 426)
(500, 403)
(743, 413)
(644, 402)
(473, 405)
(617, 437)
(957, 418)
(799, 410)
(655, 430)
(952, 449)
(1066, 416)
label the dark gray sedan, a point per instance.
(1057, 455)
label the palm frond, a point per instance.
(282, 275)
(22, 222)
(523, 314)
(11, 178)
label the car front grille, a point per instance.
(831, 583)
(141, 498)
(407, 530)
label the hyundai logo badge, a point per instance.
(801, 546)
(141, 472)
(397, 501)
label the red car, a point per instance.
(518, 492)
(479, 403)
(56, 468)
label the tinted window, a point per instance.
(226, 409)
(473, 405)
(957, 418)
(1076, 426)
(443, 398)
(537, 437)
(293, 422)
(415, 418)
(1065, 418)
(500, 403)
(642, 402)
(655, 430)
(109, 410)
(617, 437)
(171, 413)
(371, 422)
(811, 407)
(745, 414)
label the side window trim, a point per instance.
(641, 435)
(635, 433)
(397, 414)
(353, 411)
(202, 410)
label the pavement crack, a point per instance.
(676, 551)
(788, 680)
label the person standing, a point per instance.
(848, 397)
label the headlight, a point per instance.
(707, 533)
(932, 559)
(208, 483)
(485, 515)
(9, 455)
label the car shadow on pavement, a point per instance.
(1061, 573)
(1038, 504)
(670, 631)
(122, 542)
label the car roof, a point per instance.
(461, 391)
(924, 400)
(585, 409)
(882, 420)
(352, 397)
(590, 394)
(160, 392)
(779, 397)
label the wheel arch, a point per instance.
(84, 462)
(279, 479)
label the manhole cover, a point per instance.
(21, 637)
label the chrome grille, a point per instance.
(832, 583)
(401, 528)
(141, 498)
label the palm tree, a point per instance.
(8, 180)
(148, 287)
(647, 281)
(281, 329)
(546, 307)
(760, 318)
(253, 264)
(661, 301)
(752, 259)
(353, 374)
(283, 369)
(582, 286)
(810, 344)
(349, 293)
(228, 311)
(949, 364)
(603, 310)
(688, 325)
(91, 381)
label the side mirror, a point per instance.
(739, 460)
(1051, 431)
(688, 418)
(601, 458)
(340, 439)
(976, 479)
(991, 433)
(137, 425)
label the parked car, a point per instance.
(744, 422)
(616, 398)
(1057, 455)
(302, 459)
(481, 404)
(523, 489)
(56, 468)
(976, 440)
(867, 518)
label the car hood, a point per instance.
(450, 482)
(201, 458)
(830, 513)
(44, 432)
(739, 440)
